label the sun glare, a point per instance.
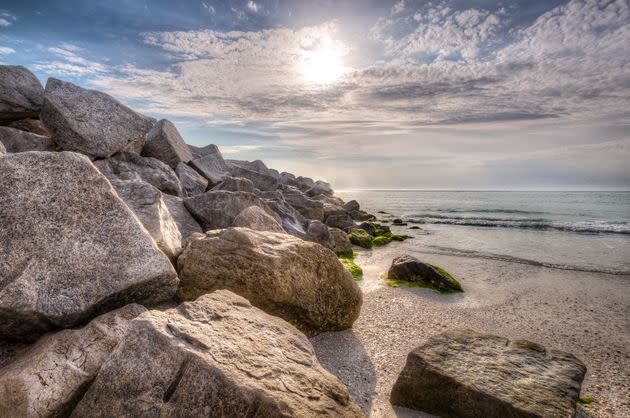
(323, 65)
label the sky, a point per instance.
(371, 94)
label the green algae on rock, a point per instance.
(408, 271)
(352, 267)
(361, 238)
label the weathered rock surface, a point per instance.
(21, 93)
(260, 180)
(34, 126)
(49, 378)
(218, 208)
(299, 281)
(319, 233)
(310, 209)
(147, 204)
(166, 144)
(257, 166)
(351, 205)
(216, 356)
(469, 374)
(304, 183)
(131, 166)
(211, 165)
(257, 219)
(91, 122)
(186, 224)
(292, 221)
(15, 140)
(341, 221)
(235, 184)
(60, 223)
(3, 150)
(409, 269)
(192, 182)
(199, 152)
(342, 244)
(361, 215)
(320, 187)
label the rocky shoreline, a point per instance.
(141, 276)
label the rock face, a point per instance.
(166, 144)
(468, 374)
(147, 204)
(60, 223)
(351, 206)
(34, 126)
(257, 219)
(52, 375)
(3, 150)
(192, 182)
(319, 233)
(260, 180)
(292, 221)
(309, 208)
(131, 166)
(218, 208)
(217, 356)
(299, 281)
(342, 245)
(410, 269)
(91, 122)
(183, 219)
(21, 93)
(235, 184)
(211, 165)
(15, 140)
(320, 187)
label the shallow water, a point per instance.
(583, 231)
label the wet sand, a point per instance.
(587, 314)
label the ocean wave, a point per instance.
(589, 227)
(497, 210)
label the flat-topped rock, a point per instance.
(470, 374)
(216, 356)
(60, 223)
(21, 93)
(91, 122)
(299, 281)
(15, 140)
(166, 144)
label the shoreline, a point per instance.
(559, 309)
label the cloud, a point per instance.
(4, 50)
(252, 6)
(68, 62)
(7, 19)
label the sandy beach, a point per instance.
(586, 314)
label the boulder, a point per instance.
(351, 205)
(91, 122)
(331, 200)
(304, 183)
(21, 93)
(131, 166)
(287, 178)
(319, 233)
(299, 281)
(342, 245)
(310, 209)
(360, 237)
(211, 165)
(218, 208)
(257, 219)
(217, 356)
(361, 215)
(375, 229)
(292, 221)
(34, 126)
(409, 269)
(147, 204)
(235, 184)
(198, 152)
(320, 188)
(52, 375)
(340, 221)
(257, 166)
(15, 140)
(192, 182)
(469, 374)
(186, 224)
(166, 144)
(71, 249)
(261, 181)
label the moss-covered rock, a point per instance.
(375, 229)
(382, 240)
(360, 215)
(352, 267)
(410, 272)
(361, 238)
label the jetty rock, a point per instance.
(217, 356)
(299, 281)
(192, 182)
(165, 143)
(21, 94)
(15, 140)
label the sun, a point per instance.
(323, 64)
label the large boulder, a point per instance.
(131, 166)
(292, 221)
(166, 144)
(21, 93)
(469, 374)
(235, 184)
(15, 140)
(192, 182)
(319, 233)
(34, 126)
(352, 206)
(217, 356)
(198, 152)
(147, 204)
(186, 224)
(256, 218)
(407, 268)
(320, 188)
(288, 179)
(297, 280)
(342, 244)
(257, 166)
(309, 208)
(71, 249)
(261, 181)
(91, 122)
(51, 376)
(304, 183)
(218, 208)
(212, 165)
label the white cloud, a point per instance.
(4, 50)
(398, 7)
(70, 63)
(252, 6)
(7, 19)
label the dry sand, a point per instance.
(587, 314)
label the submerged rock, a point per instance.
(51, 376)
(407, 268)
(71, 249)
(257, 219)
(21, 93)
(299, 281)
(166, 144)
(192, 182)
(216, 356)
(15, 140)
(91, 122)
(469, 374)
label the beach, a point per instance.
(584, 313)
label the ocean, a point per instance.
(582, 231)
